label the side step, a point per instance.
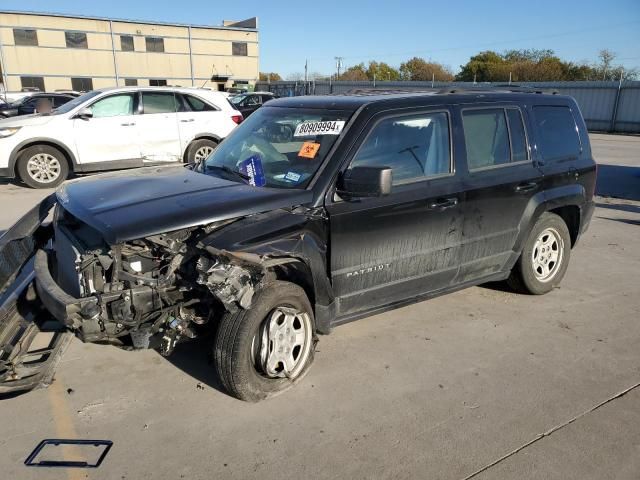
(31, 342)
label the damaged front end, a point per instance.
(151, 292)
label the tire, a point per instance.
(545, 257)
(198, 150)
(42, 166)
(240, 337)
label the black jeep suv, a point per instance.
(314, 212)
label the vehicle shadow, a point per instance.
(622, 220)
(618, 181)
(619, 206)
(195, 359)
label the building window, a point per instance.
(25, 37)
(126, 43)
(82, 84)
(130, 82)
(154, 44)
(32, 83)
(155, 82)
(76, 39)
(239, 49)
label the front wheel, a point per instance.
(266, 349)
(545, 256)
(42, 166)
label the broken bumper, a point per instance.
(31, 341)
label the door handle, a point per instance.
(128, 124)
(526, 187)
(187, 120)
(443, 203)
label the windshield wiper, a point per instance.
(229, 170)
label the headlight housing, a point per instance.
(7, 132)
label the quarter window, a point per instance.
(82, 84)
(239, 49)
(154, 44)
(194, 104)
(414, 147)
(76, 39)
(126, 43)
(25, 37)
(159, 102)
(558, 132)
(113, 106)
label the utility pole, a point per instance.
(306, 64)
(509, 78)
(338, 66)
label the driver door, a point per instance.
(110, 134)
(400, 246)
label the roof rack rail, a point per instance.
(498, 88)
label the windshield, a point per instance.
(277, 147)
(236, 99)
(70, 105)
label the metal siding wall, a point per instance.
(595, 99)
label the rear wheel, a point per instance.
(266, 349)
(200, 150)
(545, 256)
(42, 166)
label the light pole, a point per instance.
(338, 66)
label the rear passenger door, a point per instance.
(396, 247)
(501, 179)
(195, 116)
(157, 127)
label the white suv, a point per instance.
(115, 128)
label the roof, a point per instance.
(353, 101)
(232, 26)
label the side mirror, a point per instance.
(365, 182)
(85, 114)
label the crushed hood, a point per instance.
(132, 204)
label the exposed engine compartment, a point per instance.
(151, 292)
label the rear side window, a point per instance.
(558, 132)
(414, 147)
(486, 137)
(494, 137)
(159, 102)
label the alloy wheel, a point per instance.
(547, 254)
(43, 168)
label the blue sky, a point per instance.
(393, 31)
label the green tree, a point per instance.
(418, 69)
(354, 73)
(382, 72)
(269, 76)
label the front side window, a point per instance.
(558, 132)
(414, 147)
(239, 49)
(25, 37)
(71, 104)
(76, 39)
(60, 100)
(277, 147)
(159, 102)
(154, 44)
(113, 106)
(82, 84)
(126, 43)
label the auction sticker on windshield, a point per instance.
(319, 128)
(309, 150)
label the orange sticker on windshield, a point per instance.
(309, 150)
